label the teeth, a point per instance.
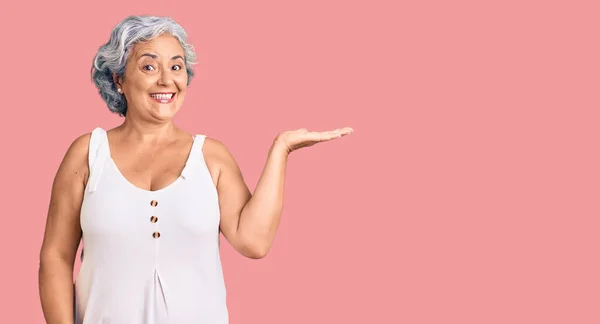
(161, 96)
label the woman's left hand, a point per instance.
(295, 139)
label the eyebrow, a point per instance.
(154, 56)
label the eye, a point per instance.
(148, 67)
(177, 67)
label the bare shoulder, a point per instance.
(218, 157)
(79, 149)
(215, 149)
(80, 145)
(75, 160)
(216, 152)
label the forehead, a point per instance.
(165, 46)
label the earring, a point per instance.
(119, 89)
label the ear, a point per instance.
(117, 80)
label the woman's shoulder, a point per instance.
(215, 149)
(213, 143)
(79, 146)
(216, 156)
(81, 142)
(74, 164)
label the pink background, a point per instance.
(469, 192)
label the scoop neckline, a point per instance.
(157, 191)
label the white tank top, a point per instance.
(150, 257)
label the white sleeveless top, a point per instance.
(150, 257)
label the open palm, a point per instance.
(299, 138)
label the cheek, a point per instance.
(181, 80)
(182, 86)
(142, 86)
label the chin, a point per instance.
(165, 111)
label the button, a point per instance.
(156, 234)
(154, 203)
(154, 219)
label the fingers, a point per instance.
(318, 136)
(315, 137)
(340, 132)
(326, 135)
(330, 135)
(344, 131)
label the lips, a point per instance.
(163, 97)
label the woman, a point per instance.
(148, 199)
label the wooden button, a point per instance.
(154, 203)
(156, 234)
(154, 219)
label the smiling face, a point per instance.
(155, 79)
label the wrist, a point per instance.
(280, 148)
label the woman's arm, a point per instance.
(249, 221)
(62, 235)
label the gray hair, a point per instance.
(112, 56)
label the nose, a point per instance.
(165, 78)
